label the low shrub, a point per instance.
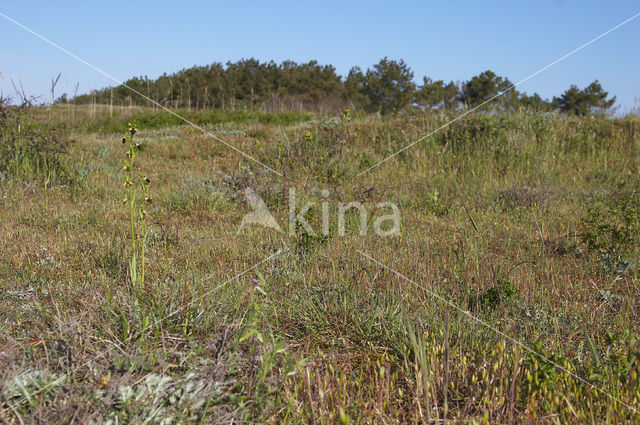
(612, 227)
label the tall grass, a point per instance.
(148, 118)
(30, 150)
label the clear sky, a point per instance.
(450, 40)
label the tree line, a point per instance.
(388, 87)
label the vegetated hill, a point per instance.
(387, 87)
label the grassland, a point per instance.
(527, 221)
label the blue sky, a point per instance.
(450, 40)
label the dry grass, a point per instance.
(492, 211)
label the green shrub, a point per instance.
(502, 292)
(612, 227)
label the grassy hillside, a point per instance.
(526, 224)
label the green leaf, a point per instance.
(344, 418)
(248, 335)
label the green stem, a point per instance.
(144, 242)
(132, 200)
